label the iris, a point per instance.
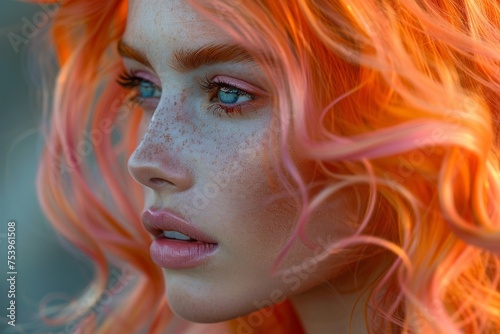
(229, 96)
(147, 89)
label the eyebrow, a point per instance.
(184, 60)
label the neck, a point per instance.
(325, 310)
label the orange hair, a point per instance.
(399, 100)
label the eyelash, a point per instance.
(130, 81)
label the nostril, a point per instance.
(159, 181)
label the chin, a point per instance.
(202, 316)
(206, 309)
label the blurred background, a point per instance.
(47, 268)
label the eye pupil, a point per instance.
(229, 96)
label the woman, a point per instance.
(304, 166)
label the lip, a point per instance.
(175, 254)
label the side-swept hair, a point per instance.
(399, 100)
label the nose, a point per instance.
(158, 162)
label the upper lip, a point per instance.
(157, 221)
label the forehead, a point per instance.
(155, 26)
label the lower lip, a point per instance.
(176, 254)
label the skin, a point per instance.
(185, 147)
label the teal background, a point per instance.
(46, 265)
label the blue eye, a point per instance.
(228, 95)
(148, 89)
(144, 88)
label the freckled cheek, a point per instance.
(259, 222)
(169, 118)
(276, 224)
(258, 238)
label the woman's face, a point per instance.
(202, 157)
